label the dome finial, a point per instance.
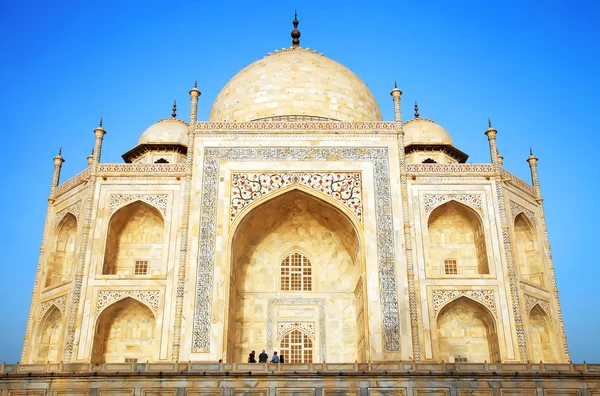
(416, 109)
(174, 114)
(295, 32)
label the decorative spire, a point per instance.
(416, 109)
(100, 122)
(295, 32)
(196, 83)
(60, 151)
(395, 85)
(530, 151)
(489, 122)
(174, 114)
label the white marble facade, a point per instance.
(412, 254)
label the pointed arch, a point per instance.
(62, 257)
(541, 336)
(125, 329)
(466, 331)
(297, 346)
(50, 335)
(134, 241)
(457, 244)
(291, 220)
(529, 257)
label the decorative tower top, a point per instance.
(416, 109)
(295, 32)
(174, 113)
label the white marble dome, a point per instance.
(424, 131)
(169, 130)
(295, 82)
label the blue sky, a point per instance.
(530, 66)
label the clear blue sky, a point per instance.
(530, 66)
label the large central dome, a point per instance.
(299, 83)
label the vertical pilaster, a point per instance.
(70, 346)
(37, 284)
(412, 299)
(508, 252)
(183, 233)
(532, 160)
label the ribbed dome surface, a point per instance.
(295, 82)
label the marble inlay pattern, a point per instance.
(343, 186)
(160, 201)
(432, 201)
(284, 327)
(531, 302)
(515, 209)
(105, 298)
(441, 297)
(74, 209)
(379, 157)
(60, 302)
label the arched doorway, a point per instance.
(466, 332)
(293, 256)
(531, 267)
(540, 336)
(297, 347)
(50, 335)
(125, 333)
(456, 241)
(61, 259)
(134, 243)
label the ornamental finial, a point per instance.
(530, 151)
(395, 85)
(100, 122)
(295, 32)
(489, 122)
(59, 151)
(416, 109)
(174, 114)
(196, 83)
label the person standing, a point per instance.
(262, 358)
(252, 357)
(281, 359)
(275, 358)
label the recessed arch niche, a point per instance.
(457, 243)
(49, 339)
(466, 331)
(135, 234)
(540, 336)
(531, 266)
(60, 262)
(295, 221)
(125, 330)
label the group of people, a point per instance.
(263, 357)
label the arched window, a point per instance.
(297, 347)
(296, 273)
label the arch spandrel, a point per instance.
(156, 201)
(485, 298)
(470, 201)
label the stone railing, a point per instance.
(73, 182)
(517, 182)
(482, 169)
(313, 368)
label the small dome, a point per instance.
(169, 130)
(295, 82)
(424, 131)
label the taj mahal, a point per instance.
(295, 219)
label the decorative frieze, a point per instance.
(319, 302)
(59, 302)
(106, 298)
(305, 126)
(76, 180)
(531, 302)
(515, 209)
(432, 201)
(285, 327)
(441, 297)
(141, 168)
(160, 201)
(343, 186)
(517, 182)
(449, 168)
(378, 156)
(74, 209)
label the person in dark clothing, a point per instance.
(252, 357)
(263, 357)
(281, 359)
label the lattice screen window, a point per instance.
(460, 359)
(130, 360)
(296, 273)
(141, 267)
(296, 347)
(450, 267)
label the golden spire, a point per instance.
(295, 32)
